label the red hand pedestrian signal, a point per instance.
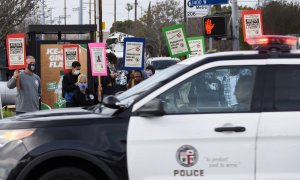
(214, 26)
(209, 26)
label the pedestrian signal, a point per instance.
(214, 26)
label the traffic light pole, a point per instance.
(100, 21)
(235, 26)
(210, 40)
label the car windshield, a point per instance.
(149, 83)
(162, 64)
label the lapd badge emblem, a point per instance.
(187, 156)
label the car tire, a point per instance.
(69, 173)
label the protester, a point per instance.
(83, 96)
(28, 87)
(116, 80)
(136, 78)
(107, 82)
(150, 71)
(69, 83)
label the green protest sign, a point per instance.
(175, 37)
(197, 45)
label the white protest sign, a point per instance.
(252, 23)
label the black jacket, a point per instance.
(68, 83)
(82, 100)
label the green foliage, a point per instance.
(281, 17)
(7, 113)
(123, 26)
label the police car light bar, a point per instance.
(272, 39)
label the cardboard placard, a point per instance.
(175, 37)
(16, 51)
(133, 54)
(197, 45)
(252, 23)
(98, 59)
(70, 54)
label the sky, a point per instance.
(108, 10)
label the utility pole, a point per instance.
(235, 26)
(210, 40)
(100, 21)
(115, 15)
(80, 12)
(95, 12)
(90, 12)
(135, 10)
(50, 11)
(65, 9)
(184, 9)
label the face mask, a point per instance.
(31, 67)
(76, 72)
(82, 86)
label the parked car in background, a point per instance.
(160, 63)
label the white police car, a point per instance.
(230, 115)
(242, 123)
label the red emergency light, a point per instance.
(272, 39)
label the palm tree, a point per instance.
(128, 7)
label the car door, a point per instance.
(278, 143)
(203, 134)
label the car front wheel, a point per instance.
(67, 173)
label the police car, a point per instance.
(229, 115)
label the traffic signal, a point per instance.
(214, 26)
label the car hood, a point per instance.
(48, 118)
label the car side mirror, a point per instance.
(112, 102)
(152, 108)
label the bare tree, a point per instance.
(164, 13)
(13, 13)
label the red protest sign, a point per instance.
(252, 23)
(70, 54)
(16, 51)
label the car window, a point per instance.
(149, 83)
(222, 89)
(287, 88)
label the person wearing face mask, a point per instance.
(28, 87)
(83, 96)
(69, 83)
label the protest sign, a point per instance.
(134, 49)
(98, 59)
(175, 37)
(252, 23)
(70, 54)
(197, 46)
(16, 51)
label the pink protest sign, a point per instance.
(98, 59)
